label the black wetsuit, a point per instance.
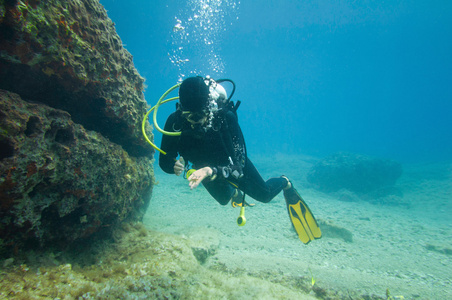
(221, 147)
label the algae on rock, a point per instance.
(73, 162)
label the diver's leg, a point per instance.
(254, 186)
(220, 190)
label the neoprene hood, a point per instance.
(194, 94)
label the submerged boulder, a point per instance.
(67, 54)
(72, 158)
(360, 174)
(60, 181)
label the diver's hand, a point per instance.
(179, 166)
(198, 176)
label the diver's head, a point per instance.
(200, 99)
(194, 95)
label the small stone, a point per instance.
(83, 219)
(8, 262)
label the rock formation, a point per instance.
(72, 158)
(367, 177)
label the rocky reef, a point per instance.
(353, 176)
(73, 162)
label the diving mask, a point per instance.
(195, 117)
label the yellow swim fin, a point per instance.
(301, 216)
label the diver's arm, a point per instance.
(169, 145)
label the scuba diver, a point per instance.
(210, 150)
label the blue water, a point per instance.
(315, 77)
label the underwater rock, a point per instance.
(73, 162)
(360, 174)
(60, 182)
(67, 54)
(439, 249)
(139, 265)
(204, 242)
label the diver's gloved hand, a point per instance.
(198, 176)
(179, 166)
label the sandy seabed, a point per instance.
(401, 250)
(190, 247)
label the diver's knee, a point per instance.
(265, 200)
(236, 196)
(223, 201)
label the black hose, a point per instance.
(233, 86)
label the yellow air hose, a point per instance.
(155, 108)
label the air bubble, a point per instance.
(200, 37)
